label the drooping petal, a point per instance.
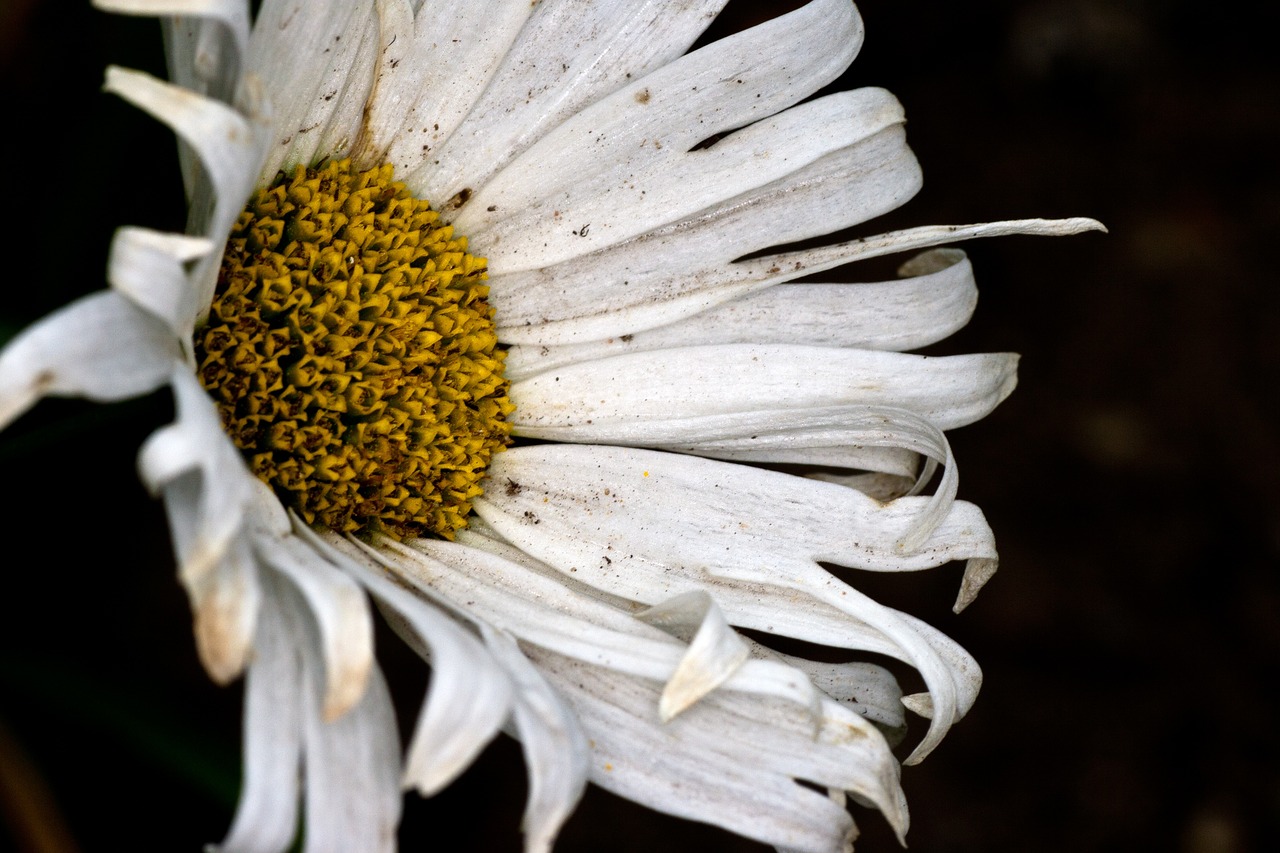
(77, 351)
(334, 601)
(830, 436)
(205, 40)
(352, 768)
(869, 690)
(671, 524)
(230, 147)
(149, 267)
(555, 748)
(267, 814)
(678, 271)
(470, 696)
(715, 652)
(541, 609)
(731, 760)
(935, 299)
(208, 494)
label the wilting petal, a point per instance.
(715, 652)
(149, 268)
(207, 493)
(229, 146)
(352, 768)
(555, 748)
(77, 351)
(334, 601)
(732, 759)
(670, 524)
(267, 816)
(206, 40)
(470, 696)
(541, 609)
(671, 273)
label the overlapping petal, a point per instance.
(647, 526)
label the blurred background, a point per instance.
(1130, 640)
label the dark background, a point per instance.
(1130, 640)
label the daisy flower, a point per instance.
(486, 315)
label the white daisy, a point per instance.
(580, 589)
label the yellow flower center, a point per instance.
(352, 354)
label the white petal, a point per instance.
(470, 695)
(436, 63)
(335, 603)
(229, 146)
(688, 266)
(101, 347)
(316, 60)
(731, 760)
(715, 652)
(567, 56)
(672, 523)
(870, 691)
(234, 14)
(936, 300)
(557, 615)
(671, 273)
(206, 40)
(266, 817)
(352, 770)
(149, 267)
(207, 494)
(833, 436)
(195, 445)
(555, 748)
(540, 215)
(726, 379)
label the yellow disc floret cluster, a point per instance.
(352, 354)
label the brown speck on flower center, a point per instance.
(352, 354)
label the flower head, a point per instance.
(484, 313)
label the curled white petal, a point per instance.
(150, 268)
(669, 524)
(100, 347)
(732, 759)
(229, 146)
(335, 603)
(555, 748)
(207, 494)
(715, 652)
(470, 696)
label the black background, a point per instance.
(1130, 640)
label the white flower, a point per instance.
(655, 351)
